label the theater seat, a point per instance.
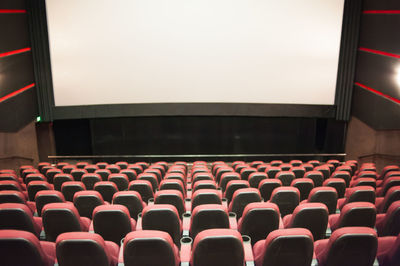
(389, 224)
(86, 201)
(285, 247)
(130, 199)
(234, 185)
(60, 218)
(326, 195)
(69, 189)
(389, 250)
(107, 190)
(355, 246)
(82, 248)
(112, 222)
(311, 216)
(266, 187)
(205, 184)
(19, 217)
(256, 178)
(36, 186)
(393, 194)
(218, 247)
(316, 176)
(23, 248)
(241, 198)
(45, 197)
(357, 194)
(150, 247)
(120, 180)
(15, 196)
(286, 177)
(208, 216)
(226, 178)
(287, 198)
(206, 196)
(258, 220)
(90, 179)
(173, 197)
(354, 214)
(304, 185)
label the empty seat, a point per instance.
(81, 165)
(256, 178)
(266, 187)
(120, 180)
(86, 201)
(298, 171)
(226, 177)
(272, 171)
(24, 248)
(150, 247)
(130, 173)
(304, 185)
(90, 179)
(175, 184)
(152, 178)
(325, 170)
(35, 177)
(208, 216)
(388, 224)
(113, 168)
(11, 185)
(363, 182)
(143, 187)
(286, 177)
(15, 196)
(392, 195)
(311, 216)
(82, 248)
(130, 199)
(356, 194)
(316, 176)
(221, 171)
(218, 247)
(354, 214)
(285, 166)
(78, 173)
(91, 168)
(19, 217)
(112, 222)
(59, 179)
(345, 175)
(285, 247)
(69, 189)
(47, 196)
(258, 220)
(50, 174)
(138, 168)
(241, 198)
(234, 185)
(36, 186)
(296, 162)
(337, 183)
(173, 197)
(107, 189)
(67, 169)
(389, 250)
(287, 198)
(326, 195)
(60, 218)
(104, 173)
(9, 177)
(245, 172)
(163, 217)
(206, 196)
(387, 169)
(204, 184)
(122, 165)
(356, 246)
(387, 184)
(367, 174)
(276, 162)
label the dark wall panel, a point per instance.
(378, 72)
(12, 4)
(377, 32)
(16, 72)
(72, 137)
(13, 32)
(381, 4)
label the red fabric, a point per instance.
(257, 205)
(50, 192)
(333, 180)
(387, 197)
(106, 183)
(285, 189)
(15, 184)
(84, 222)
(36, 221)
(261, 246)
(92, 193)
(73, 183)
(129, 193)
(299, 208)
(302, 180)
(207, 191)
(162, 207)
(169, 192)
(336, 219)
(354, 183)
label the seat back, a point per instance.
(112, 222)
(12, 196)
(152, 178)
(204, 184)
(175, 184)
(60, 218)
(143, 187)
(16, 216)
(35, 186)
(286, 177)
(266, 187)
(208, 216)
(255, 178)
(69, 189)
(286, 247)
(120, 180)
(360, 194)
(337, 183)
(287, 198)
(21, 248)
(140, 246)
(258, 220)
(86, 201)
(316, 176)
(326, 195)
(104, 173)
(272, 171)
(90, 179)
(173, 197)
(304, 185)
(107, 189)
(392, 195)
(234, 185)
(226, 177)
(356, 246)
(81, 248)
(47, 196)
(218, 247)
(59, 179)
(357, 214)
(311, 216)
(241, 198)
(130, 199)
(391, 223)
(206, 196)
(163, 217)
(78, 173)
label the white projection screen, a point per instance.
(194, 51)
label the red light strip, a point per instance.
(12, 94)
(382, 12)
(12, 11)
(15, 52)
(379, 52)
(378, 92)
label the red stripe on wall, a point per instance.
(382, 12)
(12, 94)
(379, 52)
(378, 92)
(23, 50)
(12, 11)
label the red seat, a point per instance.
(354, 214)
(255, 179)
(208, 216)
(204, 184)
(59, 179)
(19, 217)
(326, 195)
(150, 247)
(152, 178)
(47, 196)
(287, 198)
(86, 201)
(104, 173)
(389, 224)
(241, 198)
(107, 189)
(389, 250)
(285, 247)
(304, 185)
(78, 173)
(393, 194)
(120, 180)
(173, 184)
(143, 187)
(24, 248)
(226, 177)
(130, 199)
(206, 196)
(357, 194)
(69, 188)
(82, 248)
(266, 187)
(286, 177)
(90, 179)
(316, 176)
(337, 183)
(173, 197)
(36, 186)
(356, 246)
(15, 196)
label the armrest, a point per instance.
(186, 250)
(186, 224)
(225, 203)
(121, 255)
(139, 222)
(248, 250)
(232, 221)
(188, 205)
(91, 229)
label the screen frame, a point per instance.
(49, 112)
